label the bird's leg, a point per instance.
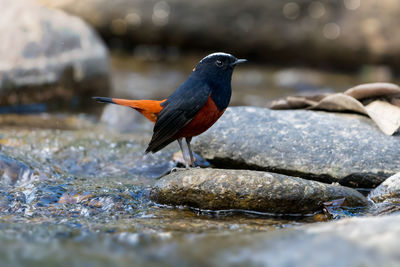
(188, 139)
(183, 153)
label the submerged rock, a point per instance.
(217, 189)
(47, 55)
(327, 147)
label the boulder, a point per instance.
(216, 189)
(328, 147)
(48, 57)
(346, 33)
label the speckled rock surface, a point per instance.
(388, 191)
(47, 54)
(217, 189)
(328, 147)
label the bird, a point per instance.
(192, 108)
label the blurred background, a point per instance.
(144, 49)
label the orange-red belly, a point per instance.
(204, 119)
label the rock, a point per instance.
(345, 33)
(388, 191)
(217, 189)
(49, 57)
(386, 197)
(371, 241)
(327, 147)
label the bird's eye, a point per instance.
(219, 63)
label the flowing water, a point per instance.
(75, 192)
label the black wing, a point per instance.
(179, 109)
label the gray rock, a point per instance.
(48, 55)
(341, 32)
(388, 191)
(217, 189)
(371, 241)
(328, 147)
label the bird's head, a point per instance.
(218, 65)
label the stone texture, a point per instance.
(47, 55)
(371, 241)
(339, 32)
(217, 189)
(388, 191)
(328, 147)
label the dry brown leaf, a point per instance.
(297, 102)
(370, 90)
(340, 102)
(386, 114)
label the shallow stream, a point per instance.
(75, 191)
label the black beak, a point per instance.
(238, 61)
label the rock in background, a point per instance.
(48, 57)
(327, 147)
(344, 33)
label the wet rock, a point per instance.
(388, 191)
(341, 32)
(48, 57)
(327, 147)
(249, 190)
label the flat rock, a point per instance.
(388, 191)
(328, 147)
(217, 189)
(48, 55)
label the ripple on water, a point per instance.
(86, 201)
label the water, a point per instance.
(83, 191)
(75, 192)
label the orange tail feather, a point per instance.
(148, 108)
